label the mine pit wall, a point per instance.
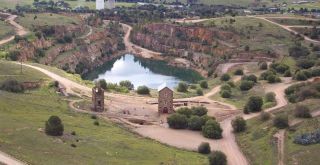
(202, 48)
(91, 52)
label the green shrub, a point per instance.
(193, 86)
(12, 86)
(305, 63)
(315, 72)
(238, 124)
(177, 121)
(238, 72)
(263, 66)
(281, 121)
(226, 87)
(246, 85)
(302, 111)
(251, 77)
(182, 87)
(225, 77)
(204, 148)
(264, 116)
(212, 130)
(199, 111)
(127, 84)
(184, 111)
(270, 97)
(287, 73)
(143, 90)
(204, 84)
(225, 93)
(217, 158)
(195, 123)
(96, 123)
(199, 92)
(266, 74)
(103, 84)
(300, 76)
(54, 126)
(231, 83)
(254, 104)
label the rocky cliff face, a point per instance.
(202, 46)
(67, 49)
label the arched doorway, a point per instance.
(165, 110)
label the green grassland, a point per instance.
(9, 70)
(5, 30)
(239, 98)
(43, 19)
(257, 34)
(299, 154)
(294, 21)
(257, 144)
(10, 4)
(23, 116)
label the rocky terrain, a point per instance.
(63, 46)
(196, 46)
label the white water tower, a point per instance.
(99, 4)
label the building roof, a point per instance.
(162, 86)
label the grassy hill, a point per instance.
(23, 116)
(258, 144)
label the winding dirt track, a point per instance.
(288, 28)
(7, 159)
(18, 28)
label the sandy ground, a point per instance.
(18, 28)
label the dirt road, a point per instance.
(145, 53)
(7, 159)
(18, 28)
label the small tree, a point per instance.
(199, 111)
(195, 123)
(225, 77)
(263, 66)
(254, 104)
(177, 121)
(204, 148)
(281, 121)
(143, 90)
(199, 92)
(300, 76)
(302, 111)
(238, 72)
(212, 130)
(54, 126)
(238, 124)
(204, 84)
(12, 86)
(182, 87)
(270, 97)
(246, 85)
(103, 84)
(226, 87)
(264, 116)
(127, 84)
(225, 94)
(185, 111)
(287, 73)
(217, 158)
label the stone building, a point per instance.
(97, 99)
(165, 100)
